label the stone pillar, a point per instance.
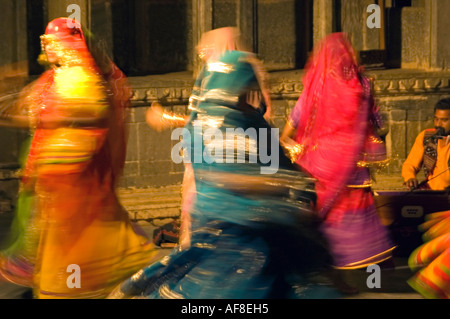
(59, 8)
(323, 19)
(101, 23)
(354, 22)
(202, 21)
(277, 38)
(393, 24)
(13, 45)
(415, 38)
(247, 23)
(439, 35)
(225, 13)
(425, 42)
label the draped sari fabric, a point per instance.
(75, 159)
(18, 254)
(333, 121)
(332, 117)
(243, 244)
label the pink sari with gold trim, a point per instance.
(334, 125)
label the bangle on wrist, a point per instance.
(295, 152)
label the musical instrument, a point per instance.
(403, 211)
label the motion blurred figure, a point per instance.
(431, 261)
(248, 238)
(212, 44)
(331, 133)
(431, 151)
(76, 111)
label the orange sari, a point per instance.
(87, 244)
(432, 259)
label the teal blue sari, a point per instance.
(244, 245)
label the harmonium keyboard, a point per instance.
(403, 211)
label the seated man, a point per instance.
(431, 151)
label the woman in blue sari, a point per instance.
(252, 234)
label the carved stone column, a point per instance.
(277, 34)
(354, 23)
(13, 45)
(102, 24)
(59, 8)
(202, 21)
(323, 19)
(440, 25)
(247, 23)
(368, 40)
(415, 38)
(425, 42)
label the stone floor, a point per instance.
(393, 283)
(154, 207)
(162, 204)
(393, 280)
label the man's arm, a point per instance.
(413, 162)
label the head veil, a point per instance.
(214, 43)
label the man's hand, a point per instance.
(412, 183)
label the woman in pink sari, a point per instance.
(331, 134)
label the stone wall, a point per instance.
(424, 41)
(406, 100)
(151, 183)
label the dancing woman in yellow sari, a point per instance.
(431, 261)
(77, 112)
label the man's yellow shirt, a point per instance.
(440, 177)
